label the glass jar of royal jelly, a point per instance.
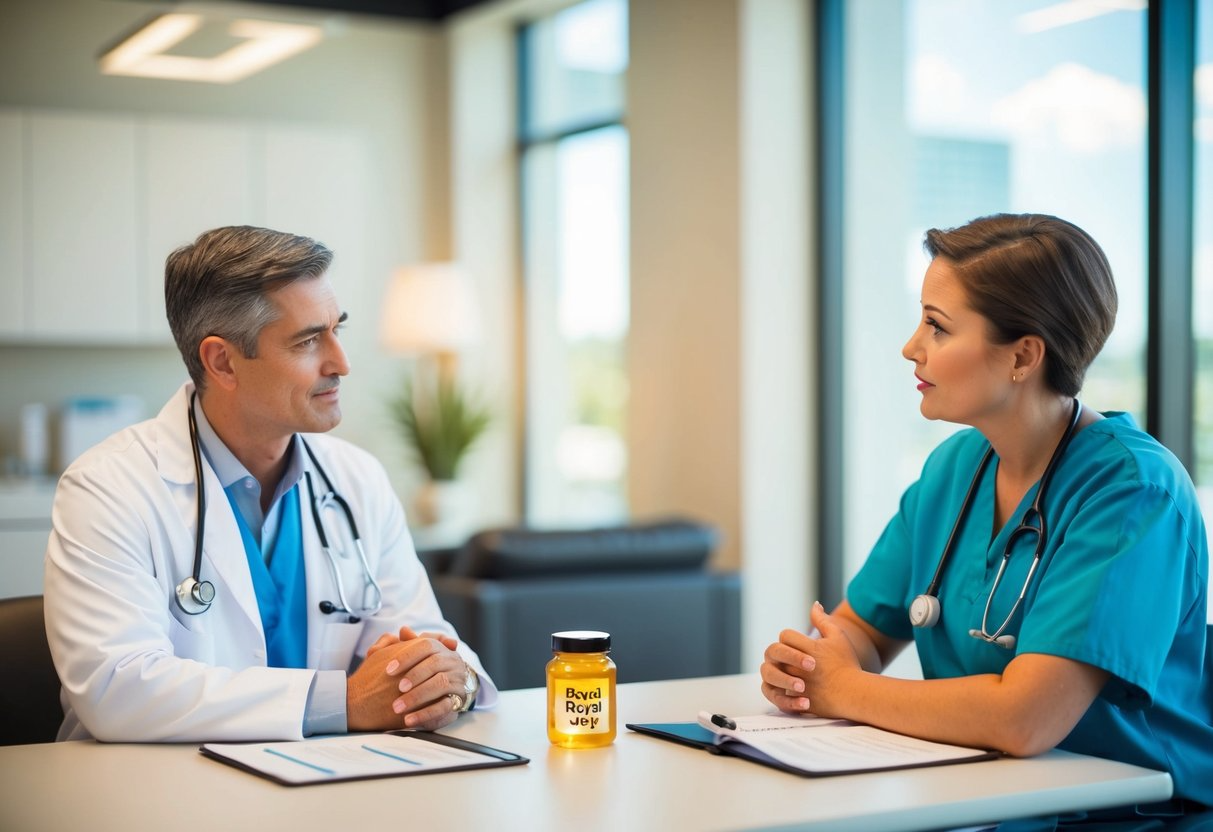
(581, 690)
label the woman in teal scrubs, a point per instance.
(1108, 653)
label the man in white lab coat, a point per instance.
(264, 632)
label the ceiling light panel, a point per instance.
(262, 43)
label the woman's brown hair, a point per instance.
(1034, 274)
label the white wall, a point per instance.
(381, 82)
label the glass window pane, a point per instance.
(955, 109)
(576, 328)
(575, 68)
(1202, 263)
(576, 299)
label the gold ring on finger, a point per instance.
(456, 702)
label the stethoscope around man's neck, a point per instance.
(194, 595)
(925, 609)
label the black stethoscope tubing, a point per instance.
(925, 610)
(201, 593)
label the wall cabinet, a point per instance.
(25, 525)
(200, 175)
(12, 236)
(80, 271)
(91, 205)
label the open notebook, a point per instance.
(809, 745)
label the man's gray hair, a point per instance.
(220, 284)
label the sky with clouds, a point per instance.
(1063, 84)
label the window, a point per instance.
(954, 109)
(1202, 262)
(574, 158)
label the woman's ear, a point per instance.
(217, 360)
(1028, 357)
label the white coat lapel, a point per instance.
(223, 553)
(223, 560)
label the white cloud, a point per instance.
(1074, 11)
(1204, 103)
(939, 92)
(1084, 110)
(1203, 289)
(1204, 129)
(1204, 85)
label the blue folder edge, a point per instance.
(686, 733)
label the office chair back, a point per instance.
(29, 694)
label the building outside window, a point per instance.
(574, 174)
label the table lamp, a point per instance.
(430, 311)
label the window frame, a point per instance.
(1170, 349)
(525, 142)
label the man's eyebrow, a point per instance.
(926, 307)
(316, 329)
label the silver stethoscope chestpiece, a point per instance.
(195, 597)
(924, 611)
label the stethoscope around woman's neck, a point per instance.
(925, 609)
(194, 595)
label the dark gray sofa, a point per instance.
(648, 585)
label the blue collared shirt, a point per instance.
(325, 712)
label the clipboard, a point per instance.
(340, 759)
(717, 734)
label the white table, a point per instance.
(639, 783)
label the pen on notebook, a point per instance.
(724, 722)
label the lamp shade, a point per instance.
(429, 308)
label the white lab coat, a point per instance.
(133, 665)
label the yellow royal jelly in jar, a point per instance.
(581, 690)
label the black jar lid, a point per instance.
(581, 641)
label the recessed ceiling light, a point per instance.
(263, 43)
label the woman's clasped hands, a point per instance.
(803, 673)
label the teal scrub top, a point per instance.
(1122, 585)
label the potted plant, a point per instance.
(440, 428)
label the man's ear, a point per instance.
(218, 356)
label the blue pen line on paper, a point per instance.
(393, 756)
(278, 753)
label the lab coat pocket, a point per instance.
(190, 644)
(338, 640)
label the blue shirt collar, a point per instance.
(231, 470)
